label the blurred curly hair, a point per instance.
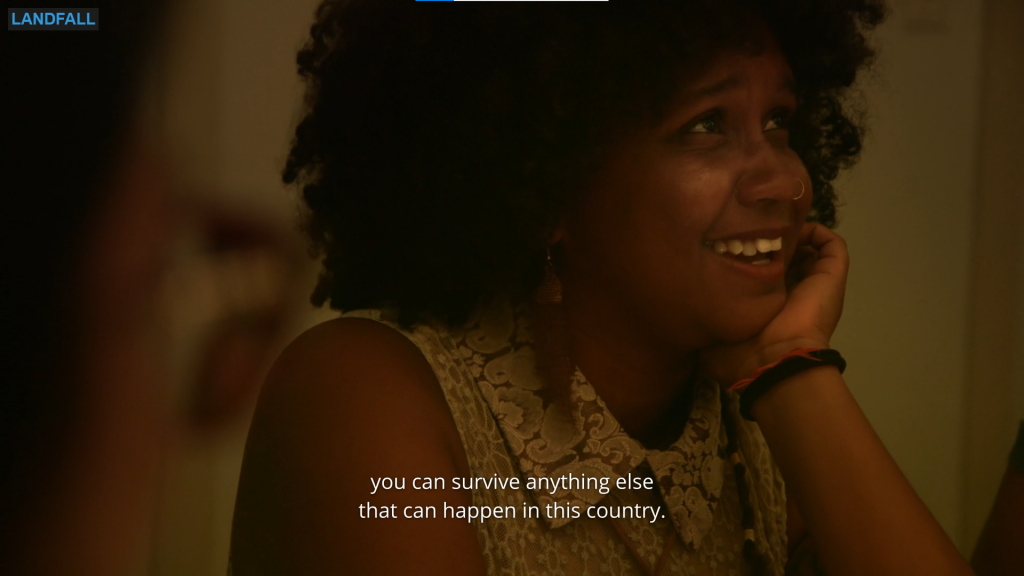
(440, 144)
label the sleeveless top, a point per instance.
(510, 428)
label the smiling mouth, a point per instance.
(758, 252)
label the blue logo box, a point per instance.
(53, 19)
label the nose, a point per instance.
(766, 179)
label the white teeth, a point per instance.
(748, 248)
(763, 262)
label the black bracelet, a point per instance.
(784, 369)
(1017, 454)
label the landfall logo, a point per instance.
(53, 18)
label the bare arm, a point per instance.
(350, 400)
(863, 515)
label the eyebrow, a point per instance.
(725, 85)
(670, 121)
(730, 83)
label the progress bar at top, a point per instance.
(511, 0)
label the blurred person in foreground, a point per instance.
(89, 226)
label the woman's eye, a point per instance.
(706, 125)
(778, 120)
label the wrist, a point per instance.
(788, 365)
(772, 352)
(809, 388)
(767, 354)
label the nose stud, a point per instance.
(801, 194)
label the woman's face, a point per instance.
(645, 245)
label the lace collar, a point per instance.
(498, 348)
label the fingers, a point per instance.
(832, 254)
(800, 267)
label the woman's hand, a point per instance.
(817, 285)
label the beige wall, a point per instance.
(1019, 354)
(935, 308)
(910, 218)
(996, 331)
(908, 221)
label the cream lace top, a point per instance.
(509, 427)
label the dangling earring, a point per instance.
(551, 338)
(550, 289)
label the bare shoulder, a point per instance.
(355, 378)
(355, 364)
(349, 401)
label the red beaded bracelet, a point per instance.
(793, 362)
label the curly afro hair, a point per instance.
(440, 144)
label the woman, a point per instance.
(558, 234)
